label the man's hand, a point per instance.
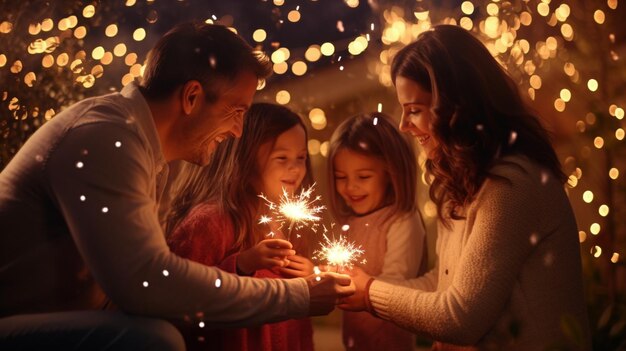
(325, 290)
(267, 254)
(298, 267)
(356, 302)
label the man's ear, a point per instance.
(191, 93)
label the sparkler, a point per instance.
(339, 252)
(297, 210)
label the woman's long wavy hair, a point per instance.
(229, 180)
(478, 115)
(375, 135)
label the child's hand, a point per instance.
(298, 267)
(267, 254)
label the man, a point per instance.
(78, 211)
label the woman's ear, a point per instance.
(191, 94)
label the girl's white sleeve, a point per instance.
(405, 248)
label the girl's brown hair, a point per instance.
(228, 181)
(478, 115)
(375, 135)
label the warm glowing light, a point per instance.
(492, 23)
(283, 97)
(562, 12)
(466, 23)
(421, 15)
(313, 53)
(588, 196)
(119, 50)
(613, 173)
(543, 9)
(279, 2)
(297, 210)
(619, 113)
(535, 82)
(594, 228)
(80, 32)
(259, 35)
(299, 68)
(612, 4)
(598, 251)
(318, 118)
(615, 257)
(313, 146)
(139, 34)
(565, 94)
(280, 55)
(592, 84)
(526, 18)
(492, 9)
(467, 7)
(567, 31)
(339, 252)
(619, 134)
(559, 105)
(280, 68)
(89, 11)
(352, 3)
(603, 210)
(327, 49)
(598, 16)
(582, 236)
(111, 30)
(97, 53)
(598, 142)
(293, 16)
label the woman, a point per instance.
(509, 270)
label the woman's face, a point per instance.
(416, 114)
(283, 166)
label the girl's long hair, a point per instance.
(478, 115)
(375, 135)
(228, 180)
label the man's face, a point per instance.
(211, 123)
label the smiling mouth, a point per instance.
(289, 182)
(357, 198)
(422, 139)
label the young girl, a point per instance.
(222, 228)
(372, 170)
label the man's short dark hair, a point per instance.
(208, 53)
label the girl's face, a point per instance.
(282, 165)
(360, 180)
(416, 115)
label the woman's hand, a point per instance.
(298, 267)
(267, 254)
(358, 301)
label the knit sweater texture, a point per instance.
(207, 237)
(508, 276)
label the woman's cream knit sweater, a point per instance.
(508, 276)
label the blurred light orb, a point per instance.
(327, 49)
(467, 7)
(139, 34)
(588, 196)
(283, 97)
(592, 84)
(313, 53)
(299, 68)
(259, 35)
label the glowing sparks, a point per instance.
(339, 252)
(298, 210)
(265, 219)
